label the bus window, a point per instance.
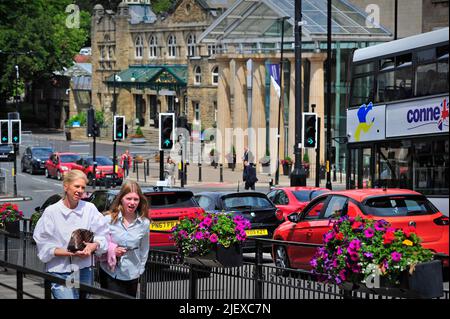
(442, 69)
(386, 87)
(362, 90)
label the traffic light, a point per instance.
(119, 128)
(92, 127)
(166, 128)
(4, 132)
(16, 130)
(309, 130)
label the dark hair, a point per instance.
(116, 207)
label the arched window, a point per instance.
(192, 45)
(215, 75)
(172, 45)
(197, 75)
(139, 47)
(153, 47)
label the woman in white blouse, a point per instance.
(130, 230)
(53, 232)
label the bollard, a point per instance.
(145, 170)
(340, 173)
(199, 172)
(148, 167)
(185, 173)
(137, 171)
(334, 173)
(134, 165)
(221, 172)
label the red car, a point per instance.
(167, 205)
(400, 207)
(104, 171)
(59, 164)
(293, 199)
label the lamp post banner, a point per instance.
(275, 77)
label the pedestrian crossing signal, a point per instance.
(4, 132)
(16, 131)
(166, 129)
(119, 128)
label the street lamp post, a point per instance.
(280, 100)
(114, 139)
(328, 149)
(298, 175)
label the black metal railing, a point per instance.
(167, 277)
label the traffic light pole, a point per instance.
(298, 176)
(328, 145)
(95, 160)
(161, 165)
(15, 171)
(318, 154)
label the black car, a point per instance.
(6, 153)
(38, 211)
(33, 160)
(253, 206)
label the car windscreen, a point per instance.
(42, 153)
(69, 158)
(5, 148)
(101, 161)
(392, 206)
(314, 194)
(302, 196)
(246, 202)
(172, 200)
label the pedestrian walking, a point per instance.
(129, 230)
(54, 230)
(248, 156)
(249, 176)
(125, 162)
(170, 168)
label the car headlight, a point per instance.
(64, 168)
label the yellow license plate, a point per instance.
(165, 225)
(257, 232)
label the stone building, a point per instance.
(154, 64)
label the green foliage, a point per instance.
(197, 233)
(35, 218)
(10, 213)
(160, 6)
(305, 157)
(139, 131)
(287, 160)
(82, 118)
(39, 26)
(357, 248)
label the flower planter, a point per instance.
(219, 257)
(12, 227)
(287, 169)
(425, 282)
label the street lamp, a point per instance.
(298, 175)
(328, 151)
(117, 78)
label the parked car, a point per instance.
(167, 205)
(254, 206)
(34, 158)
(38, 211)
(293, 199)
(400, 207)
(59, 164)
(6, 153)
(103, 172)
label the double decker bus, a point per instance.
(398, 116)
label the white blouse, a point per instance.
(55, 228)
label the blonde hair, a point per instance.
(71, 177)
(116, 207)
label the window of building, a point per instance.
(192, 45)
(197, 75)
(139, 47)
(212, 49)
(196, 111)
(172, 46)
(102, 53)
(153, 47)
(215, 75)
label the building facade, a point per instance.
(154, 64)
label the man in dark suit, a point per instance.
(249, 176)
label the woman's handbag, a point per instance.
(78, 238)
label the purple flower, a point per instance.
(354, 256)
(207, 221)
(356, 269)
(213, 238)
(368, 255)
(369, 233)
(313, 262)
(328, 236)
(199, 236)
(396, 256)
(355, 244)
(339, 251)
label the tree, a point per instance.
(39, 26)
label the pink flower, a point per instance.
(396, 256)
(213, 238)
(369, 233)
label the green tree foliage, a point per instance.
(39, 26)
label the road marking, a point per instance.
(21, 175)
(43, 190)
(39, 180)
(59, 185)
